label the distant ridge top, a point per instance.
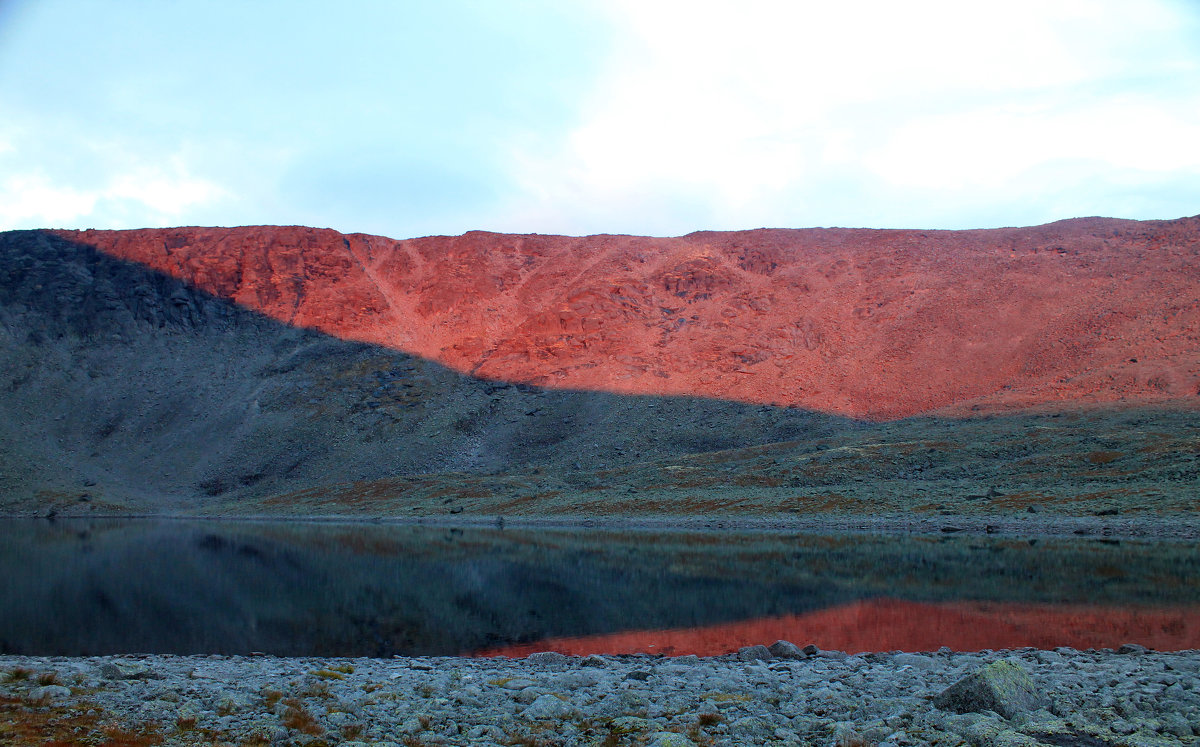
(875, 323)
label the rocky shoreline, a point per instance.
(1148, 526)
(782, 695)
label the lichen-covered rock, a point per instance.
(751, 727)
(629, 725)
(1001, 686)
(669, 739)
(546, 659)
(844, 735)
(548, 707)
(991, 733)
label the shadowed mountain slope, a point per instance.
(865, 323)
(122, 387)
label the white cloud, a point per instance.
(166, 192)
(993, 146)
(712, 115)
(127, 193)
(32, 201)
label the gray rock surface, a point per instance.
(1095, 699)
(755, 653)
(546, 658)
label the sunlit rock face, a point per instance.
(866, 323)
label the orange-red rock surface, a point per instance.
(872, 323)
(897, 625)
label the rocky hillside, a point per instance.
(298, 370)
(864, 323)
(124, 388)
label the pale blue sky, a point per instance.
(625, 116)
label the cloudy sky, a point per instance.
(615, 116)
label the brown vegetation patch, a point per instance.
(60, 726)
(1022, 499)
(690, 481)
(297, 718)
(758, 480)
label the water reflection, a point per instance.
(319, 589)
(898, 625)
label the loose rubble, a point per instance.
(781, 695)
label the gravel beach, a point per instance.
(782, 695)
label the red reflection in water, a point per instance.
(896, 625)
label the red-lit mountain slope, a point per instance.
(881, 324)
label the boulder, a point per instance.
(845, 735)
(548, 707)
(547, 659)
(1001, 686)
(786, 650)
(917, 661)
(124, 670)
(750, 728)
(755, 653)
(49, 693)
(629, 725)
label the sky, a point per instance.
(651, 117)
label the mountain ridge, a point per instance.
(870, 323)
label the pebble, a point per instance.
(1073, 697)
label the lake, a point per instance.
(324, 589)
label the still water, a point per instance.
(103, 587)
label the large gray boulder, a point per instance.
(125, 670)
(549, 707)
(755, 653)
(1001, 686)
(786, 650)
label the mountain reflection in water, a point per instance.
(297, 589)
(898, 625)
